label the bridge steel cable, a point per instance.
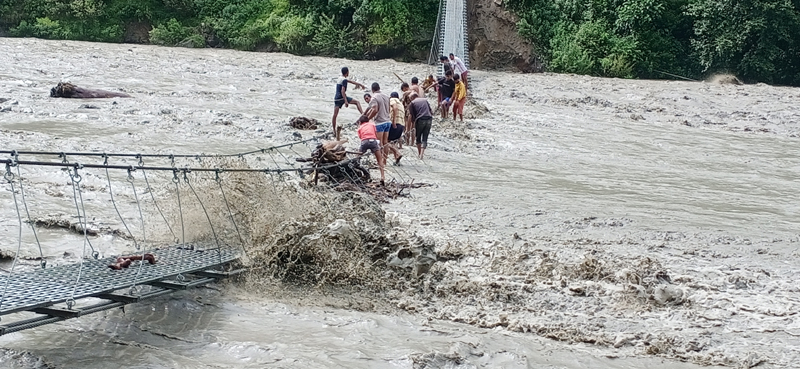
(16, 153)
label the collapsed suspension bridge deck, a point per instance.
(50, 294)
(38, 291)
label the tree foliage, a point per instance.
(758, 40)
(352, 28)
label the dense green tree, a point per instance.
(758, 40)
(352, 28)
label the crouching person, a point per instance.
(369, 141)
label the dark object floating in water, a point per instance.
(303, 123)
(125, 261)
(68, 90)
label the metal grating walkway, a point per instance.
(451, 32)
(45, 287)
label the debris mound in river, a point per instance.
(68, 90)
(725, 79)
(304, 123)
(349, 174)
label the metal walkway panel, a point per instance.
(451, 32)
(44, 287)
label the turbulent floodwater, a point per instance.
(579, 222)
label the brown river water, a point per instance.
(580, 222)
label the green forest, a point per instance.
(757, 40)
(341, 28)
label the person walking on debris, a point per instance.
(459, 97)
(367, 99)
(415, 87)
(459, 68)
(406, 99)
(445, 64)
(341, 98)
(369, 141)
(398, 112)
(446, 88)
(420, 113)
(379, 111)
(429, 83)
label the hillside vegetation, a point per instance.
(342, 28)
(758, 40)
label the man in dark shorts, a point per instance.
(446, 88)
(420, 113)
(341, 98)
(369, 142)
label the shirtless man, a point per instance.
(415, 87)
(341, 98)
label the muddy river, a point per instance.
(579, 222)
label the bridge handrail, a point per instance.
(168, 156)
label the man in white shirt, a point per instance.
(459, 68)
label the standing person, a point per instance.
(416, 87)
(445, 64)
(379, 111)
(420, 112)
(398, 114)
(409, 128)
(341, 98)
(459, 97)
(369, 141)
(446, 88)
(459, 68)
(367, 99)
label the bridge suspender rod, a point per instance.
(30, 220)
(9, 176)
(230, 212)
(210, 223)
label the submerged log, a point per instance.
(68, 90)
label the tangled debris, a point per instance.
(334, 152)
(350, 175)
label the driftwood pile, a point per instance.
(68, 90)
(350, 175)
(304, 123)
(334, 152)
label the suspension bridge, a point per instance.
(450, 35)
(32, 296)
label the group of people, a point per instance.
(391, 120)
(452, 87)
